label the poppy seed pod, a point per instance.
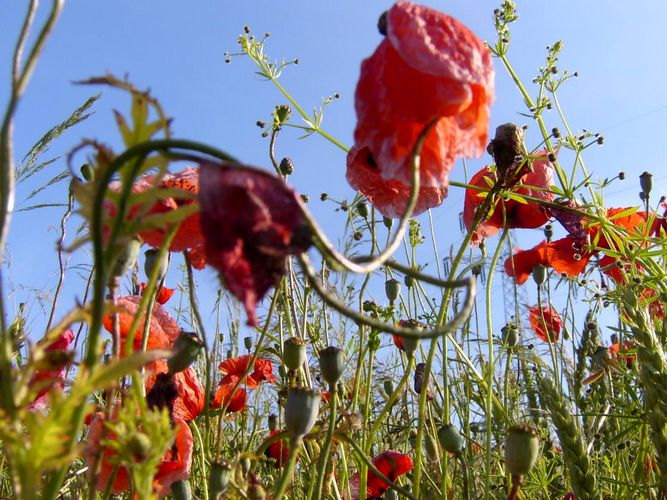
(218, 479)
(186, 349)
(126, 258)
(301, 411)
(294, 353)
(388, 222)
(332, 364)
(450, 439)
(362, 209)
(646, 182)
(247, 342)
(392, 288)
(139, 446)
(151, 260)
(510, 335)
(181, 490)
(521, 449)
(388, 386)
(539, 274)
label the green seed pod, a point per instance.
(392, 288)
(294, 353)
(510, 335)
(362, 209)
(301, 411)
(548, 232)
(127, 258)
(151, 261)
(247, 342)
(332, 364)
(539, 274)
(450, 439)
(388, 222)
(521, 449)
(218, 479)
(181, 490)
(185, 351)
(389, 387)
(245, 465)
(409, 281)
(646, 182)
(390, 495)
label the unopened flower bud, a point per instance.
(218, 479)
(87, 172)
(294, 353)
(185, 351)
(521, 449)
(410, 344)
(181, 490)
(389, 387)
(419, 377)
(539, 274)
(409, 281)
(247, 342)
(388, 222)
(245, 465)
(392, 288)
(139, 446)
(548, 232)
(362, 209)
(286, 166)
(450, 439)
(152, 260)
(127, 258)
(332, 364)
(301, 410)
(510, 335)
(646, 182)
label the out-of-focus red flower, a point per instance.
(163, 295)
(565, 256)
(429, 65)
(535, 183)
(51, 378)
(278, 450)
(175, 465)
(545, 322)
(398, 342)
(231, 402)
(251, 222)
(619, 352)
(190, 393)
(236, 367)
(634, 223)
(188, 234)
(392, 464)
(163, 330)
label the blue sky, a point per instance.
(176, 49)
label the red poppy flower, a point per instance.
(398, 342)
(392, 464)
(545, 322)
(190, 393)
(429, 65)
(52, 378)
(634, 223)
(163, 295)
(278, 450)
(236, 367)
(251, 221)
(232, 402)
(188, 234)
(535, 183)
(175, 465)
(163, 329)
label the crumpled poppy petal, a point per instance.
(191, 398)
(177, 461)
(390, 463)
(236, 367)
(251, 221)
(545, 322)
(163, 330)
(48, 380)
(232, 402)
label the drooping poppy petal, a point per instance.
(51, 378)
(163, 330)
(428, 66)
(236, 367)
(188, 234)
(535, 183)
(545, 322)
(251, 221)
(390, 463)
(175, 465)
(398, 342)
(278, 450)
(163, 294)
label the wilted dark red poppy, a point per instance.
(429, 65)
(190, 393)
(392, 464)
(278, 450)
(163, 294)
(251, 221)
(175, 465)
(51, 378)
(535, 183)
(188, 234)
(545, 322)
(163, 330)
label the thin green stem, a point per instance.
(288, 471)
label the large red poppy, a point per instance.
(512, 213)
(545, 322)
(188, 234)
(251, 221)
(51, 379)
(234, 369)
(175, 465)
(230, 399)
(429, 65)
(390, 463)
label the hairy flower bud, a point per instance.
(127, 258)
(185, 351)
(151, 261)
(393, 289)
